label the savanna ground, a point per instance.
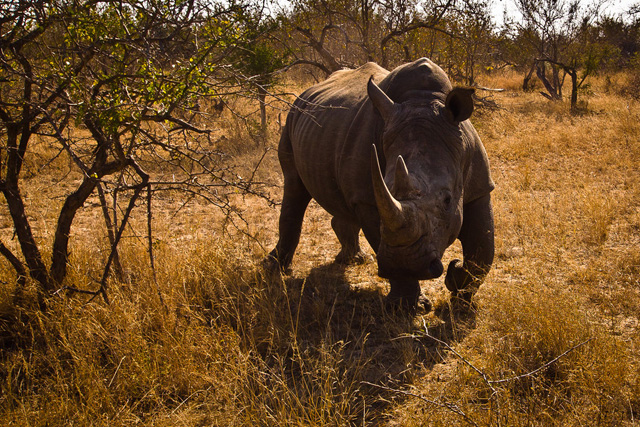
(552, 338)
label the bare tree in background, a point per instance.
(470, 40)
(332, 34)
(555, 33)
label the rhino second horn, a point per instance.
(389, 208)
(402, 182)
(380, 100)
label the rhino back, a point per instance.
(318, 136)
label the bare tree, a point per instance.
(402, 18)
(469, 40)
(331, 35)
(554, 31)
(121, 88)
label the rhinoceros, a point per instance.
(399, 160)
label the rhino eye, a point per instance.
(447, 201)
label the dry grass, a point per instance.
(228, 346)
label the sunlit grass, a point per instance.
(223, 343)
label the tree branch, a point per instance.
(17, 265)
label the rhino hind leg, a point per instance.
(295, 200)
(348, 236)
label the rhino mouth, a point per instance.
(432, 269)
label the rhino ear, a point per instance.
(380, 100)
(459, 103)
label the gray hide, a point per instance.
(399, 160)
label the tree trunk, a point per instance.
(407, 53)
(30, 251)
(71, 205)
(11, 191)
(574, 89)
(526, 86)
(262, 98)
(552, 91)
(557, 83)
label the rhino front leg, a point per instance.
(406, 295)
(476, 235)
(348, 235)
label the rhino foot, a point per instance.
(271, 265)
(425, 303)
(462, 301)
(408, 305)
(406, 296)
(345, 258)
(458, 278)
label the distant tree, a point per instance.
(403, 19)
(333, 34)
(621, 36)
(470, 40)
(261, 57)
(555, 32)
(120, 88)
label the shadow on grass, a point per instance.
(379, 351)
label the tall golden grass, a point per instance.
(552, 338)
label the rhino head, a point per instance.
(419, 197)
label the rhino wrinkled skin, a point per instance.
(399, 160)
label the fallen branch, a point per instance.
(461, 357)
(543, 367)
(444, 405)
(489, 89)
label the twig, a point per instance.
(76, 290)
(116, 372)
(445, 405)
(109, 225)
(189, 397)
(459, 356)
(105, 275)
(151, 257)
(489, 89)
(543, 367)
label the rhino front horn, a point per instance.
(389, 208)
